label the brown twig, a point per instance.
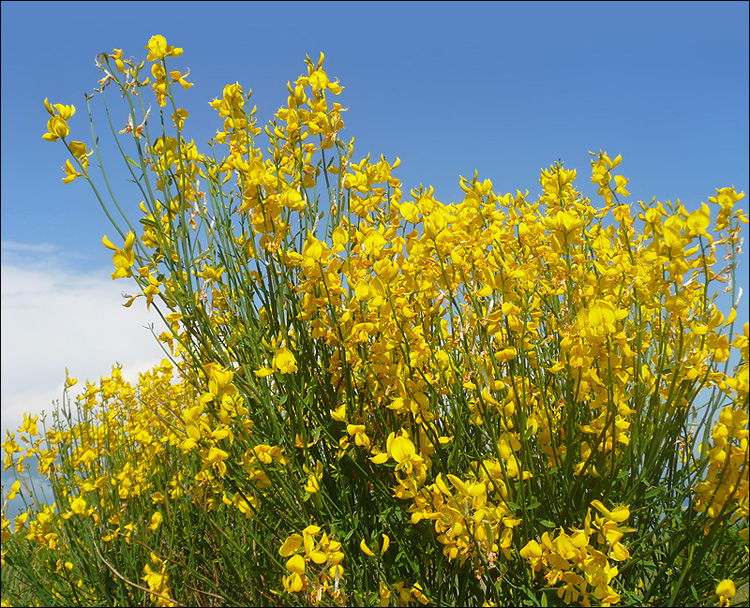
(136, 585)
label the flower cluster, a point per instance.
(317, 570)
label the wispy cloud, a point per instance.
(54, 316)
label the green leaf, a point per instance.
(547, 523)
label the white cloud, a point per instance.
(53, 317)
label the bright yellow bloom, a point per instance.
(70, 172)
(156, 520)
(401, 449)
(284, 361)
(29, 425)
(78, 506)
(124, 258)
(618, 514)
(179, 78)
(292, 199)
(14, 490)
(726, 590)
(365, 549)
(157, 49)
(78, 149)
(158, 582)
(56, 127)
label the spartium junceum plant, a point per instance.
(372, 398)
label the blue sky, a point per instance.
(503, 88)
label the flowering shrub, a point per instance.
(379, 399)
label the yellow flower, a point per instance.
(698, 221)
(57, 125)
(365, 549)
(157, 49)
(78, 149)
(292, 199)
(78, 506)
(70, 172)
(158, 581)
(14, 490)
(296, 564)
(401, 449)
(179, 78)
(156, 520)
(284, 361)
(124, 258)
(726, 591)
(29, 425)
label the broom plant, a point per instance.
(375, 398)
